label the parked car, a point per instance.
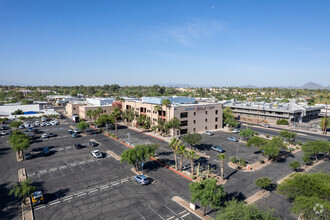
(76, 131)
(97, 154)
(77, 146)
(44, 136)
(28, 156)
(51, 135)
(232, 139)
(31, 126)
(74, 135)
(26, 125)
(70, 132)
(53, 123)
(21, 126)
(92, 144)
(3, 133)
(266, 126)
(143, 180)
(43, 124)
(43, 119)
(30, 129)
(208, 133)
(46, 151)
(217, 148)
(236, 130)
(48, 124)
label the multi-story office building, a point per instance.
(271, 112)
(194, 117)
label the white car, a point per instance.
(44, 136)
(208, 133)
(3, 133)
(43, 124)
(53, 123)
(21, 126)
(236, 130)
(97, 154)
(26, 125)
(36, 123)
(43, 119)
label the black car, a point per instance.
(46, 151)
(92, 144)
(77, 146)
(28, 156)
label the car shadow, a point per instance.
(4, 151)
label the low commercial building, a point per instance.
(33, 110)
(193, 116)
(261, 112)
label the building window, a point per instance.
(216, 119)
(184, 115)
(206, 112)
(104, 111)
(194, 129)
(194, 113)
(216, 126)
(184, 123)
(184, 131)
(155, 112)
(205, 119)
(194, 121)
(74, 108)
(205, 127)
(216, 112)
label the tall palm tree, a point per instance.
(174, 144)
(116, 113)
(89, 114)
(99, 111)
(94, 114)
(175, 124)
(221, 157)
(166, 103)
(181, 151)
(192, 156)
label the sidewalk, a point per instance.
(27, 213)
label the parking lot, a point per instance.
(78, 186)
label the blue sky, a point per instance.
(205, 42)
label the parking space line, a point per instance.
(31, 174)
(98, 162)
(185, 215)
(92, 191)
(54, 203)
(104, 187)
(170, 210)
(60, 148)
(52, 169)
(124, 180)
(39, 207)
(115, 183)
(82, 194)
(180, 213)
(68, 165)
(155, 212)
(79, 165)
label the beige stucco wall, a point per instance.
(196, 118)
(72, 108)
(83, 110)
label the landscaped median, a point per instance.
(27, 213)
(191, 208)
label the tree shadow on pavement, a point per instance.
(232, 173)
(4, 150)
(9, 204)
(239, 196)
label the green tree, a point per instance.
(263, 182)
(174, 124)
(222, 157)
(239, 210)
(227, 113)
(231, 122)
(313, 148)
(282, 122)
(138, 154)
(116, 114)
(105, 119)
(256, 141)
(182, 152)
(174, 145)
(192, 156)
(307, 190)
(246, 133)
(192, 139)
(207, 193)
(82, 125)
(22, 190)
(129, 115)
(295, 165)
(15, 124)
(19, 141)
(289, 136)
(89, 114)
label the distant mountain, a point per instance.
(249, 86)
(312, 85)
(327, 87)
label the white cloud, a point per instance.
(188, 32)
(305, 48)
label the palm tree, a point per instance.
(94, 114)
(175, 124)
(167, 103)
(174, 144)
(192, 156)
(181, 151)
(221, 157)
(116, 113)
(89, 114)
(99, 111)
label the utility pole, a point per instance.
(325, 120)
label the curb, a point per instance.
(111, 153)
(256, 197)
(27, 213)
(186, 205)
(17, 156)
